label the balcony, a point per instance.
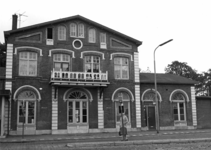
(79, 78)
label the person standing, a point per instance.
(124, 130)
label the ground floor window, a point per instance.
(77, 108)
(126, 104)
(179, 111)
(26, 107)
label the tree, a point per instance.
(2, 55)
(184, 70)
(181, 69)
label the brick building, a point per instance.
(67, 76)
(177, 102)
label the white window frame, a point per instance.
(177, 102)
(26, 62)
(62, 60)
(117, 103)
(26, 99)
(92, 35)
(74, 112)
(80, 30)
(92, 63)
(178, 109)
(103, 44)
(73, 30)
(62, 33)
(121, 68)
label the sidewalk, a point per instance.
(152, 137)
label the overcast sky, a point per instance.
(187, 22)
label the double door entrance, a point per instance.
(150, 117)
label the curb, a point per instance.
(135, 142)
(91, 137)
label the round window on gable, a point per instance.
(77, 44)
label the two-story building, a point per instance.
(68, 75)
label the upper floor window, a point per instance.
(61, 62)
(61, 33)
(103, 40)
(92, 35)
(81, 30)
(27, 64)
(121, 68)
(73, 30)
(92, 64)
(49, 35)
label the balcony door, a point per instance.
(61, 62)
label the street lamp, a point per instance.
(156, 100)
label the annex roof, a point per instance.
(165, 79)
(137, 42)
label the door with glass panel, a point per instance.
(77, 112)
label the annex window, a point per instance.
(92, 64)
(81, 30)
(26, 107)
(92, 36)
(28, 64)
(77, 108)
(179, 110)
(121, 68)
(103, 41)
(73, 30)
(61, 62)
(61, 33)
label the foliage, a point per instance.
(2, 55)
(184, 70)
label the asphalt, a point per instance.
(107, 139)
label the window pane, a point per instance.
(22, 111)
(32, 68)
(117, 61)
(125, 72)
(61, 33)
(176, 117)
(92, 36)
(65, 67)
(73, 30)
(80, 30)
(23, 67)
(117, 72)
(70, 118)
(31, 106)
(77, 112)
(182, 117)
(57, 66)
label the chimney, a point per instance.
(14, 21)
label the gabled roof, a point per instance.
(165, 79)
(137, 42)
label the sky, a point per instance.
(187, 22)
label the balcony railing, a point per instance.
(75, 76)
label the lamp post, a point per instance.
(156, 100)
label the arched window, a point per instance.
(179, 108)
(81, 30)
(77, 103)
(126, 103)
(92, 36)
(73, 30)
(26, 107)
(61, 33)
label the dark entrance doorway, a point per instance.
(150, 115)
